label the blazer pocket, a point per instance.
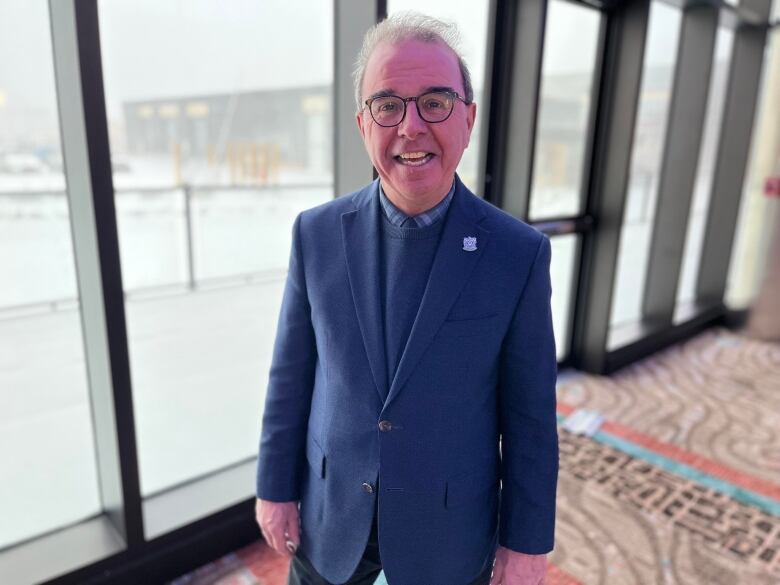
(315, 456)
(468, 327)
(463, 488)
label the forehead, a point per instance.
(410, 66)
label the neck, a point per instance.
(417, 204)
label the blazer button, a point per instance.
(368, 488)
(385, 426)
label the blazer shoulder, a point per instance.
(329, 213)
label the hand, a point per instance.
(278, 522)
(515, 568)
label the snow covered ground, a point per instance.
(199, 359)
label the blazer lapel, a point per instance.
(361, 236)
(450, 271)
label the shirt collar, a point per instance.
(427, 218)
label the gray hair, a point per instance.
(405, 26)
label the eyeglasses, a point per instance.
(433, 107)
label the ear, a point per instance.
(471, 116)
(360, 123)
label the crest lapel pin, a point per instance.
(470, 243)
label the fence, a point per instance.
(172, 240)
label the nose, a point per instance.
(412, 125)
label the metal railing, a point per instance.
(192, 281)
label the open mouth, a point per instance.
(414, 159)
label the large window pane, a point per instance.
(565, 258)
(472, 21)
(47, 455)
(758, 214)
(657, 78)
(220, 127)
(702, 190)
(569, 62)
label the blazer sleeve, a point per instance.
(282, 452)
(529, 437)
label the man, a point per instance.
(414, 364)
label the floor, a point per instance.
(670, 474)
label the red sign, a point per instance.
(772, 187)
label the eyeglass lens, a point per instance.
(432, 107)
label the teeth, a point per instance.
(414, 159)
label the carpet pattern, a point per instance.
(679, 485)
(632, 522)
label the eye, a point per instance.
(436, 101)
(387, 107)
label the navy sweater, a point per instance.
(407, 255)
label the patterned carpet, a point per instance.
(676, 482)
(681, 483)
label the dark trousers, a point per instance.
(303, 573)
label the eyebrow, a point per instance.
(381, 93)
(389, 91)
(440, 88)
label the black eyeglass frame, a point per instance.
(453, 94)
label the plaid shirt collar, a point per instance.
(399, 219)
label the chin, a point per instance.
(419, 179)
(417, 189)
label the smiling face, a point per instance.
(416, 160)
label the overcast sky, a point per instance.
(167, 48)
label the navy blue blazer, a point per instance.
(461, 446)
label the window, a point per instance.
(702, 190)
(46, 432)
(565, 259)
(568, 66)
(639, 214)
(220, 126)
(757, 223)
